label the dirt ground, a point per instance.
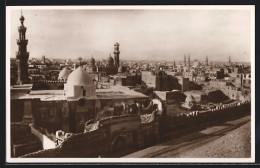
(227, 140)
(235, 144)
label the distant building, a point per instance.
(161, 81)
(116, 54)
(112, 64)
(220, 74)
(171, 101)
(64, 74)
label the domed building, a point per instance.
(79, 84)
(110, 61)
(64, 74)
(190, 102)
(189, 99)
(91, 67)
(196, 64)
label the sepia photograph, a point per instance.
(130, 84)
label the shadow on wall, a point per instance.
(217, 96)
(41, 86)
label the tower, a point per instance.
(229, 60)
(185, 59)
(189, 60)
(92, 61)
(22, 55)
(116, 54)
(207, 61)
(80, 59)
(43, 59)
(174, 64)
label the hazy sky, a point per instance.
(142, 34)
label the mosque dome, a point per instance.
(79, 77)
(189, 99)
(110, 60)
(64, 73)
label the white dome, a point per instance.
(64, 73)
(189, 99)
(79, 77)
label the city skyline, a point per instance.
(130, 82)
(142, 34)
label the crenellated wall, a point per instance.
(48, 85)
(195, 119)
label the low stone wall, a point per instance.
(197, 118)
(22, 141)
(77, 145)
(48, 85)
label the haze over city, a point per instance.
(142, 34)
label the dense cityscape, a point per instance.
(87, 107)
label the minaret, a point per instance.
(80, 59)
(189, 60)
(22, 55)
(229, 60)
(207, 61)
(43, 59)
(116, 54)
(92, 61)
(174, 65)
(185, 59)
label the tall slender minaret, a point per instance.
(189, 60)
(229, 60)
(185, 60)
(207, 61)
(174, 64)
(22, 55)
(116, 54)
(43, 59)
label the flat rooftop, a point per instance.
(21, 87)
(162, 94)
(198, 92)
(113, 92)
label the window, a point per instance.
(84, 92)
